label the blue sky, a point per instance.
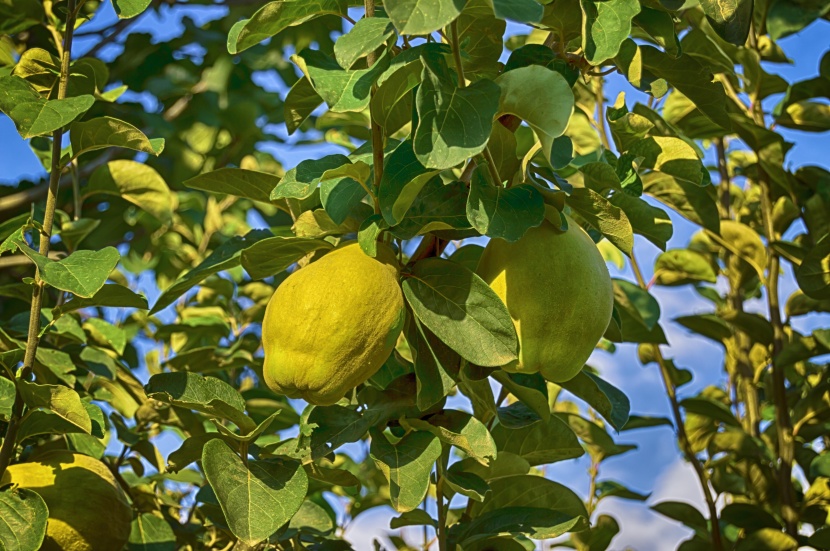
(656, 467)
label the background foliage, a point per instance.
(163, 180)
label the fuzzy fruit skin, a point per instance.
(88, 510)
(558, 291)
(332, 324)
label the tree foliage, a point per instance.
(134, 278)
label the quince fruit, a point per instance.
(332, 324)
(558, 291)
(88, 510)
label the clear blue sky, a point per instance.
(656, 466)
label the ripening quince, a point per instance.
(88, 510)
(332, 324)
(558, 292)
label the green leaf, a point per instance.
(276, 16)
(61, 400)
(137, 183)
(341, 195)
(258, 497)
(523, 11)
(530, 388)
(609, 488)
(415, 517)
(224, 257)
(406, 466)
(343, 90)
(272, 255)
(605, 398)
(238, 182)
(695, 203)
(540, 443)
(392, 103)
(536, 492)
(437, 207)
(435, 364)
(103, 132)
(7, 390)
(23, 516)
(536, 522)
(313, 519)
(206, 394)
(462, 311)
(301, 181)
(82, 273)
(420, 17)
(712, 409)
(688, 76)
(365, 37)
(813, 275)
(504, 213)
(333, 426)
(403, 178)
(659, 25)
(130, 8)
(466, 484)
(520, 92)
(369, 232)
(683, 267)
(454, 123)
(671, 156)
(459, 429)
(651, 222)
(731, 19)
(605, 25)
(684, 513)
(767, 539)
(40, 421)
(151, 533)
(33, 115)
(610, 220)
(300, 103)
(111, 294)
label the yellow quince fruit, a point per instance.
(332, 324)
(88, 510)
(558, 291)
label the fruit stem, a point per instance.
(682, 437)
(377, 130)
(38, 287)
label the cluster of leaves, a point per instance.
(440, 141)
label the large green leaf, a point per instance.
(34, 115)
(462, 430)
(137, 183)
(301, 181)
(23, 516)
(503, 213)
(540, 443)
(342, 89)
(533, 491)
(605, 25)
(272, 255)
(523, 11)
(403, 178)
(130, 8)
(103, 132)
(731, 19)
(151, 533)
(454, 123)
(276, 16)
(206, 394)
(366, 36)
(406, 466)
(520, 92)
(257, 497)
(435, 364)
(813, 275)
(61, 400)
(239, 182)
(462, 310)
(422, 16)
(82, 273)
(688, 76)
(605, 398)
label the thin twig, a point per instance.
(38, 287)
(377, 130)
